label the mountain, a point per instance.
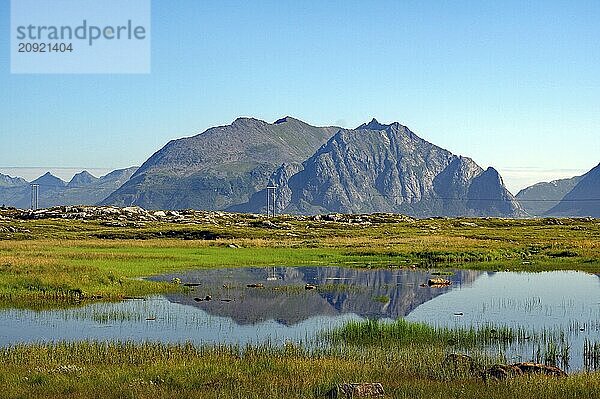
(388, 168)
(12, 189)
(83, 189)
(7, 181)
(82, 179)
(372, 168)
(220, 167)
(583, 199)
(49, 181)
(540, 197)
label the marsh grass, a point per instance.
(154, 370)
(402, 332)
(64, 261)
(549, 346)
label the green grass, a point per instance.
(63, 261)
(151, 370)
(57, 262)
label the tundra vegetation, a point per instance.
(53, 261)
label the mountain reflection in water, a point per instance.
(382, 293)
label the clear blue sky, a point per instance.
(511, 84)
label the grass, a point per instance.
(406, 368)
(46, 263)
(55, 261)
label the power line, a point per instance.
(66, 187)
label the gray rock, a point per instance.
(391, 169)
(356, 390)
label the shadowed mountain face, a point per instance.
(367, 293)
(83, 189)
(541, 197)
(7, 181)
(583, 199)
(221, 167)
(388, 168)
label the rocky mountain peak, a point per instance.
(284, 120)
(8, 181)
(49, 180)
(373, 125)
(82, 179)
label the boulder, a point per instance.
(438, 282)
(532, 368)
(504, 371)
(356, 390)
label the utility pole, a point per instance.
(35, 188)
(271, 201)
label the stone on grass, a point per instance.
(356, 390)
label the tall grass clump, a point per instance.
(403, 332)
(591, 355)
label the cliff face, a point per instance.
(387, 168)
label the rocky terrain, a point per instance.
(388, 168)
(221, 167)
(373, 168)
(116, 216)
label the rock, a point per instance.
(208, 298)
(438, 282)
(160, 214)
(255, 285)
(529, 368)
(356, 390)
(503, 371)
(310, 287)
(136, 210)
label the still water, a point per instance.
(254, 305)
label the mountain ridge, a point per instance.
(388, 168)
(583, 200)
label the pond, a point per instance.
(255, 305)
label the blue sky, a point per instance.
(511, 84)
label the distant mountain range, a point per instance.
(83, 189)
(541, 197)
(583, 199)
(372, 168)
(578, 196)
